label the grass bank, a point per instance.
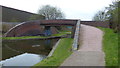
(34, 37)
(60, 54)
(110, 47)
(23, 37)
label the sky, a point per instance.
(73, 9)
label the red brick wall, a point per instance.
(96, 23)
(27, 29)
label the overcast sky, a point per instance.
(73, 9)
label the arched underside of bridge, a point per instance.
(35, 27)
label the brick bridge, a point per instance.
(36, 27)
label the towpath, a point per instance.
(90, 51)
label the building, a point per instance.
(15, 15)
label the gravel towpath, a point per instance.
(90, 50)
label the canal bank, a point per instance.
(62, 51)
(59, 35)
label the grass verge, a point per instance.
(60, 54)
(34, 37)
(23, 37)
(110, 47)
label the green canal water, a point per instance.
(25, 52)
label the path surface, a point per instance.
(90, 51)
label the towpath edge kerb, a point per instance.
(53, 49)
(75, 42)
(76, 36)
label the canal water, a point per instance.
(25, 52)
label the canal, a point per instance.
(25, 52)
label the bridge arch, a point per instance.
(35, 27)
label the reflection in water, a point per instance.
(24, 59)
(18, 47)
(35, 45)
(12, 49)
(47, 42)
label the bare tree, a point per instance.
(100, 16)
(51, 12)
(110, 14)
